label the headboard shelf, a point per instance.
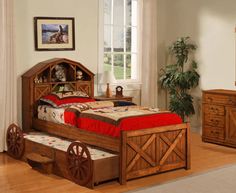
(58, 74)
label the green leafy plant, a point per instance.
(179, 78)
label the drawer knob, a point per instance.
(215, 132)
(209, 99)
(231, 101)
(214, 110)
(215, 122)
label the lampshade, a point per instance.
(107, 77)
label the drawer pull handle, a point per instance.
(231, 101)
(215, 120)
(215, 132)
(214, 110)
(209, 98)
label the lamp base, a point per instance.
(108, 91)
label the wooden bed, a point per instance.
(142, 152)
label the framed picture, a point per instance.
(54, 33)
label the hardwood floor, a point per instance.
(18, 177)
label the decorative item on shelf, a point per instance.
(45, 79)
(119, 91)
(68, 87)
(40, 80)
(60, 73)
(79, 75)
(107, 78)
(36, 80)
(60, 88)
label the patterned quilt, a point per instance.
(103, 117)
(114, 115)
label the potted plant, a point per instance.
(179, 78)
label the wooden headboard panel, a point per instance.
(42, 79)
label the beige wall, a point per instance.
(211, 24)
(85, 13)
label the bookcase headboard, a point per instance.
(58, 74)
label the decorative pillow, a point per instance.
(123, 103)
(65, 99)
(70, 93)
(79, 107)
(100, 104)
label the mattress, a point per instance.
(109, 121)
(113, 120)
(63, 144)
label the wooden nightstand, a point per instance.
(113, 98)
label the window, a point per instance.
(120, 35)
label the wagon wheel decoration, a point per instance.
(79, 163)
(15, 141)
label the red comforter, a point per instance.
(129, 123)
(107, 126)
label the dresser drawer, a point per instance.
(219, 99)
(213, 132)
(214, 109)
(214, 120)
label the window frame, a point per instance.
(101, 46)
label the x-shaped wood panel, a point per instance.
(169, 143)
(141, 152)
(84, 88)
(172, 147)
(39, 92)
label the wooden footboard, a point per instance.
(142, 152)
(155, 150)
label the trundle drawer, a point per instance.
(32, 147)
(214, 120)
(214, 109)
(214, 132)
(219, 99)
(104, 165)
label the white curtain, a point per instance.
(7, 70)
(148, 50)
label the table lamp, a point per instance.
(107, 78)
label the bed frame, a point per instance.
(142, 152)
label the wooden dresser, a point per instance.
(219, 117)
